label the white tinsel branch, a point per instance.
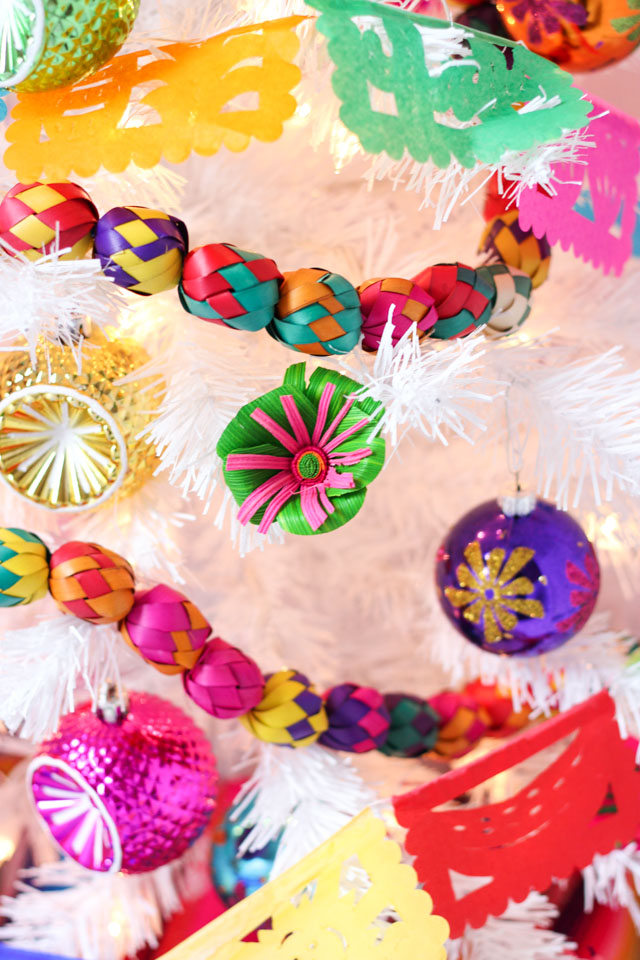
(51, 297)
(41, 666)
(593, 660)
(584, 414)
(304, 794)
(522, 932)
(64, 909)
(613, 879)
(431, 389)
(443, 188)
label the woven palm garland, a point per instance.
(310, 310)
(170, 633)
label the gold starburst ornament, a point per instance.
(70, 423)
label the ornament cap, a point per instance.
(112, 704)
(518, 504)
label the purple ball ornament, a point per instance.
(517, 576)
(127, 788)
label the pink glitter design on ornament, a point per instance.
(585, 597)
(127, 796)
(311, 468)
(609, 171)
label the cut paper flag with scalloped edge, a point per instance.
(594, 209)
(351, 899)
(440, 92)
(474, 861)
(144, 106)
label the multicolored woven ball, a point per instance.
(290, 712)
(91, 582)
(505, 719)
(166, 629)
(462, 296)
(358, 718)
(229, 286)
(401, 303)
(225, 682)
(414, 726)
(318, 313)
(36, 218)
(24, 567)
(141, 249)
(463, 723)
(511, 305)
(504, 239)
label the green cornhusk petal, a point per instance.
(244, 432)
(295, 376)
(345, 388)
(292, 520)
(365, 471)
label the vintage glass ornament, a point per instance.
(519, 580)
(577, 36)
(70, 430)
(53, 43)
(237, 875)
(125, 791)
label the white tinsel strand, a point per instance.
(64, 909)
(306, 794)
(41, 666)
(613, 879)
(426, 388)
(51, 297)
(522, 932)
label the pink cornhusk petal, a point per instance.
(323, 410)
(314, 501)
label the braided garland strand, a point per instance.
(171, 634)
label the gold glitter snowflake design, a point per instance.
(490, 590)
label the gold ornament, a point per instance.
(69, 426)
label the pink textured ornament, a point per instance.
(130, 795)
(166, 629)
(225, 682)
(401, 303)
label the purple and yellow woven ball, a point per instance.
(318, 313)
(290, 712)
(504, 239)
(402, 303)
(225, 681)
(166, 629)
(358, 719)
(414, 726)
(512, 305)
(37, 218)
(235, 288)
(140, 249)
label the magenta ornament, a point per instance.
(129, 795)
(517, 584)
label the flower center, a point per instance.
(489, 594)
(310, 465)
